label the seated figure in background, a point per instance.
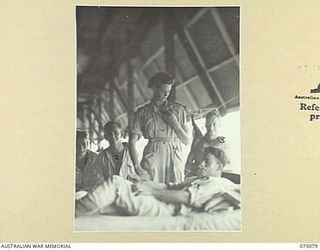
(212, 138)
(86, 174)
(115, 160)
(206, 192)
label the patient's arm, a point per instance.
(162, 193)
(197, 131)
(153, 184)
(172, 196)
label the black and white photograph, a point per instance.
(158, 144)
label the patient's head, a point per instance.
(113, 132)
(213, 123)
(82, 143)
(213, 162)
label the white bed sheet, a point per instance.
(222, 221)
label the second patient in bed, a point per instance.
(206, 192)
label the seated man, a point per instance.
(115, 160)
(86, 175)
(212, 138)
(207, 192)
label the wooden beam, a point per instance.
(191, 98)
(222, 64)
(223, 30)
(79, 112)
(104, 107)
(121, 116)
(89, 116)
(105, 116)
(84, 119)
(94, 115)
(99, 104)
(139, 85)
(196, 60)
(99, 131)
(144, 26)
(196, 17)
(131, 103)
(169, 50)
(146, 22)
(186, 82)
(123, 101)
(152, 57)
(97, 117)
(111, 100)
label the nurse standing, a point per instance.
(163, 124)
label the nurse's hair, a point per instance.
(160, 78)
(219, 153)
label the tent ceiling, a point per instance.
(108, 36)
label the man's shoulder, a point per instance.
(197, 144)
(103, 153)
(223, 182)
(108, 149)
(217, 142)
(91, 153)
(143, 108)
(92, 156)
(220, 137)
(221, 140)
(177, 105)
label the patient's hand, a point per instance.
(133, 178)
(153, 184)
(141, 189)
(143, 174)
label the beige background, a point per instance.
(280, 147)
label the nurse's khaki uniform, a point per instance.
(162, 155)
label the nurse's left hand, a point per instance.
(171, 119)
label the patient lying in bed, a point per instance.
(207, 192)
